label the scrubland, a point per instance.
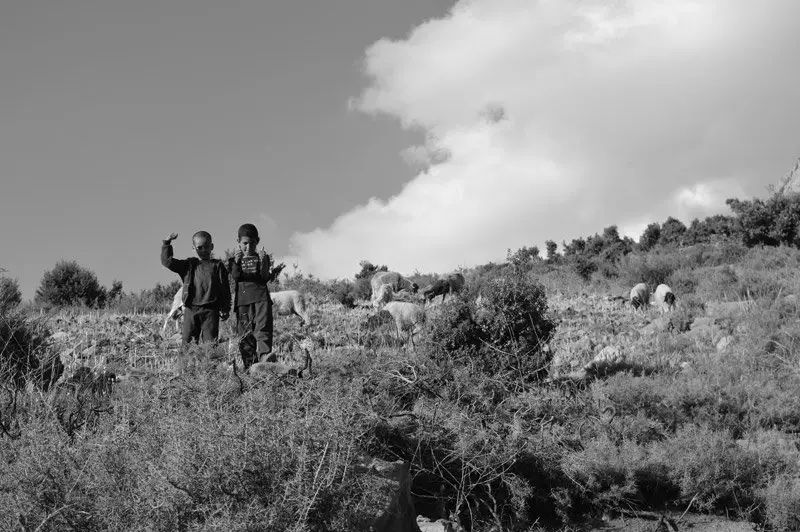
(502, 423)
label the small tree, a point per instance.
(552, 251)
(650, 237)
(672, 232)
(10, 294)
(116, 290)
(522, 257)
(68, 283)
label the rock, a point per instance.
(440, 525)
(88, 352)
(59, 336)
(609, 360)
(723, 309)
(705, 329)
(264, 370)
(724, 343)
(658, 325)
(390, 487)
(790, 182)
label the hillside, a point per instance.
(673, 416)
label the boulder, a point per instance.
(440, 525)
(705, 329)
(724, 343)
(609, 360)
(658, 325)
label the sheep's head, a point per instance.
(636, 302)
(414, 288)
(669, 298)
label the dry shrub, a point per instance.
(781, 499)
(23, 353)
(506, 336)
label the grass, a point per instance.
(710, 430)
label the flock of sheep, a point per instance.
(398, 297)
(663, 297)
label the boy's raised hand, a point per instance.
(171, 237)
(238, 254)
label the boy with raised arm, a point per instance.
(252, 302)
(206, 292)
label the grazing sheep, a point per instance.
(288, 302)
(451, 284)
(284, 303)
(408, 318)
(384, 294)
(640, 296)
(376, 321)
(393, 279)
(664, 298)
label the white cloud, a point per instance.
(559, 118)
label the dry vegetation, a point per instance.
(498, 416)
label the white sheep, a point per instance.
(175, 311)
(284, 303)
(408, 318)
(640, 296)
(288, 302)
(393, 279)
(664, 298)
(384, 295)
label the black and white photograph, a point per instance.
(400, 265)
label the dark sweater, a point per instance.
(251, 276)
(205, 282)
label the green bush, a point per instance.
(68, 283)
(10, 294)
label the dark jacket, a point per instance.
(251, 286)
(186, 269)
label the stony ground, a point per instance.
(596, 337)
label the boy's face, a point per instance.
(248, 245)
(203, 246)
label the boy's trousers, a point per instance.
(256, 318)
(200, 324)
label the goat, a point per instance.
(451, 284)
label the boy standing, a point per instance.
(206, 292)
(252, 302)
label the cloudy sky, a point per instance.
(423, 134)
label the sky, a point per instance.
(425, 134)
